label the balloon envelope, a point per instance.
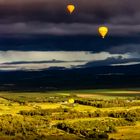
(103, 31)
(71, 101)
(70, 8)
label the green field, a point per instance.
(95, 114)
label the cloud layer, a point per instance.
(67, 29)
(96, 11)
(20, 60)
(51, 17)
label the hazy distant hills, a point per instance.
(78, 78)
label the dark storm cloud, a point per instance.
(54, 11)
(113, 61)
(66, 29)
(67, 43)
(122, 49)
(51, 17)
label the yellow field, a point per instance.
(127, 133)
(123, 133)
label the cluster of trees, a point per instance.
(30, 128)
(65, 113)
(73, 114)
(81, 132)
(35, 126)
(108, 103)
(97, 129)
(99, 103)
(38, 98)
(130, 115)
(43, 112)
(134, 98)
(14, 125)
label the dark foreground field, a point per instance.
(94, 115)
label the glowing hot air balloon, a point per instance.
(71, 101)
(70, 8)
(103, 31)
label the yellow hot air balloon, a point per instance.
(70, 8)
(103, 31)
(71, 101)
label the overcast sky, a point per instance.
(51, 16)
(24, 23)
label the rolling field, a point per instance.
(95, 114)
(127, 132)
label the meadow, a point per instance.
(94, 115)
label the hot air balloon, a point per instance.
(103, 31)
(70, 8)
(71, 101)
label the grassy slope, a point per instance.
(127, 132)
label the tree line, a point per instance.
(108, 103)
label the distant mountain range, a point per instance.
(77, 78)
